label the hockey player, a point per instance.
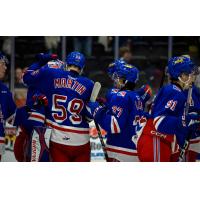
(67, 92)
(121, 116)
(145, 92)
(168, 124)
(193, 151)
(7, 105)
(36, 103)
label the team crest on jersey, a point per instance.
(122, 93)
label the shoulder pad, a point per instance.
(114, 90)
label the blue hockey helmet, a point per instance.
(129, 72)
(76, 58)
(3, 58)
(112, 66)
(179, 65)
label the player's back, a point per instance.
(67, 93)
(127, 106)
(110, 93)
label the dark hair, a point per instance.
(123, 50)
(172, 80)
(129, 86)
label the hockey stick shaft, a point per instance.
(186, 143)
(94, 94)
(163, 77)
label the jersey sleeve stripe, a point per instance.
(37, 115)
(114, 125)
(2, 139)
(158, 122)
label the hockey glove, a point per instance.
(40, 99)
(93, 107)
(43, 58)
(101, 100)
(145, 92)
(192, 121)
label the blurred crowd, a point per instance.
(149, 54)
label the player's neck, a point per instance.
(129, 86)
(74, 72)
(179, 85)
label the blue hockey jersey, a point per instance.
(7, 107)
(167, 111)
(32, 90)
(23, 115)
(143, 92)
(67, 93)
(121, 120)
(195, 108)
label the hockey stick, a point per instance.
(95, 92)
(186, 143)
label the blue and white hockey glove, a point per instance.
(93, 107)
(192, 121)
(145, 92)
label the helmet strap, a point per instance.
(81, 72)
(186, 84)
(121, 85)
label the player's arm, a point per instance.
(37, 114)
(145, 93)
(112, 120)
(34, 71)
(165, 119)
(9, 112)
(11, 106)
(179, 126)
